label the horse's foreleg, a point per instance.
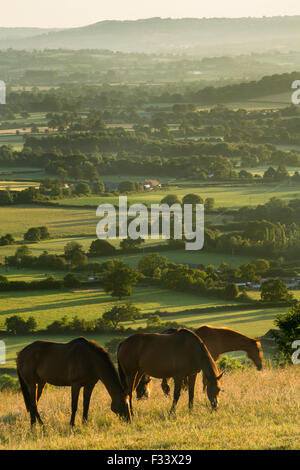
(177, 389)
(165, 386)
(87, 392)
(191, 385)
(75, 395)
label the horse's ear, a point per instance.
(220, 376)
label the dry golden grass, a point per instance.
(259, 410)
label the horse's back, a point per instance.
(54, 362)
(160, 354)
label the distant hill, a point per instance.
(213, 36)
(15, 34)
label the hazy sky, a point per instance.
(71, 13)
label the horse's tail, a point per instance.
(25, 391)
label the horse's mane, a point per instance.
(205, 353)
(100, 351)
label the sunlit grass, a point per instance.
(258, 411)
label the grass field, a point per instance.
(60, 221)
(46, 306)
(258, 410)
(17, 185)
(183, 308)
(16, 141)
(225, 196)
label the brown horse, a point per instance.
(79, 363)
(219, 341)
(178, 355)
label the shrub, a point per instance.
(230, 363)
(8, 383)
(70, 280)
(289, 331)
(18, 326)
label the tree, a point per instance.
(22, 251)
(32, 235)
(98, 187)
(35, 234)
(270, 174)
(121, 313)
(209, 204)
(274, 290)
(71, 248)
(128, 244)
(247, 272)
(101, 247)
(78, 260)
(231, 291)
(154, 321)
(170, 199)
(5, 198)
(7, 239)
(119, 281)
(71, 281)
(148, 264)
(128, 186)
(192, 199)
(82, 189)
(289, 331)
(261, 265)
(17, 325)
(45, 235)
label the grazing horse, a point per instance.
(219, 341)
(79, 363)
(178, 355)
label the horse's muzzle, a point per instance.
(215, 404)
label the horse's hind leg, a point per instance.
(132, 382)
(87, 392)
(32, 389)
(191, 385)
(177, 390)
(75, 395)
(40, 389)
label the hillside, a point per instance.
(213, 36)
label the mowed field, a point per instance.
(258, 410)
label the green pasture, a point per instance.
(60, 221)
(90, 304)
(16, 141)
(33, 175)
(224, 196)
(47, 306)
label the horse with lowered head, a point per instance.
(177, 355)
(218, 341)
(79, 363)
